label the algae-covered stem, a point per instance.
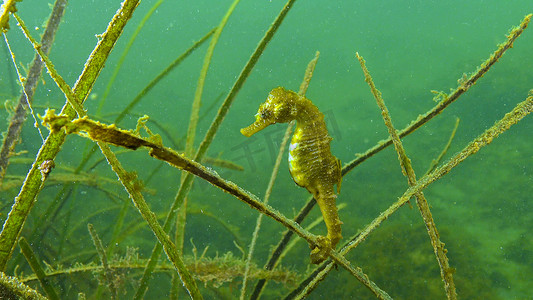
(408, 171)
(9, 6)
(103, 258)
(464, 86)
(36, 267)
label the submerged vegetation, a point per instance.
(79, 235)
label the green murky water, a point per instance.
(482, 208)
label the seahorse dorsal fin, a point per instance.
(339, 168)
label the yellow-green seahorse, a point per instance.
(311, 163)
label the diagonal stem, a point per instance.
(407, 170)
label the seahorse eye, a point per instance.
(265, 114)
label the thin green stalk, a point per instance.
(435, 162)
(303, 89)
(48, 151)
(117, 228)
(103, 258)
(125, 53)
(65, 88)
(204, 145)
(37, 269)
(191, 132)
(195, 112)
(407, 170)
(162, 75)
(24, 92)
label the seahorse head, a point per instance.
(280, 107)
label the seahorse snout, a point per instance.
(255, 127)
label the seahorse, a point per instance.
(311, 163)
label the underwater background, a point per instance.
(482, 208)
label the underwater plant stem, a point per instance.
(446, 101)
(48, 151)
(132, 186)
(521, 110)
(408, 171)
(435, 162)
(206, 142)
(195, 112)
(24, 92)
(65, 88)
(280, 247)
(18, 118)
(37, 269)
(224, 108)
(303, 89)
(308, 75)
(162, 75)
(124, 54)
(193, 122)
(103, 258)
